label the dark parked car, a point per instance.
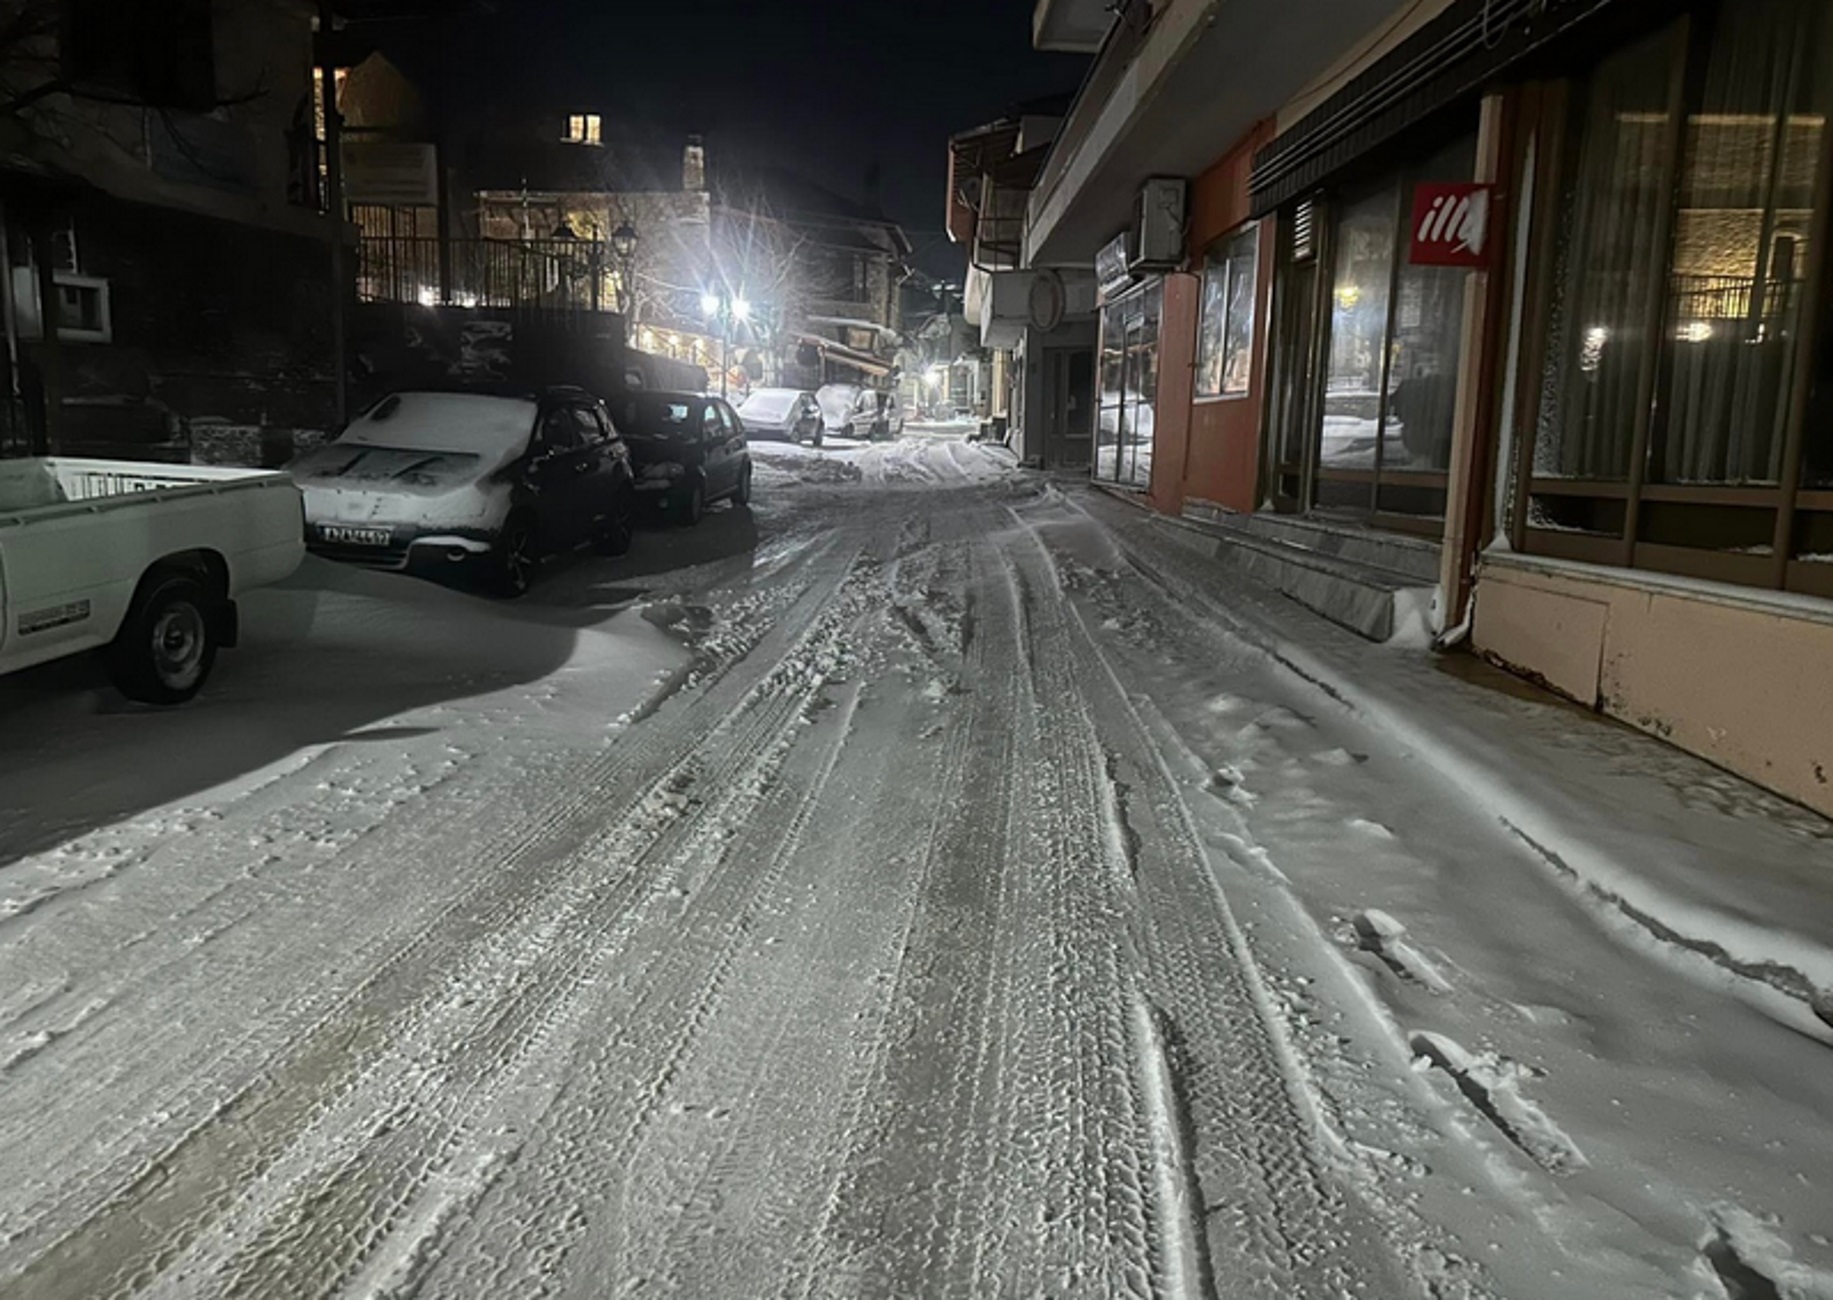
(689, 450)
(468, 481)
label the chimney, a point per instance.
(693, 165)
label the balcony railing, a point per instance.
(1125, 39)
(544, 274)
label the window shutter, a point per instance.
(1304, 231)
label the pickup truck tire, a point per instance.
(167, 645)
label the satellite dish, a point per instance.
(1048, 300)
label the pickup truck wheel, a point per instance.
(512, 559)
(167, 645)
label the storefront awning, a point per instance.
(863, 362)
(1447, 60)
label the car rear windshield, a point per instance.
(465, 423)
(652, 415)
(768, 406)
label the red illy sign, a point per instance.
(1451, 225)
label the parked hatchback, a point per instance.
(878, 415)
(451, 482)
(689, 450)
(786, 413)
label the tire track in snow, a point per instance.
(486, 1048)
(1277, 1222)
(1075, 1120)
(149, 1222)
(739, 1203)
(903, 1177)
(565, 1199)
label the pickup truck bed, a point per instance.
(86, 546)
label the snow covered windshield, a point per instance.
(769, 404)
(464, 423)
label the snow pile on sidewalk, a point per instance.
(917, 463)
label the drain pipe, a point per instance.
(1453, 637)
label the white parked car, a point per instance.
(879, 415)
(143, 561)
(786, 413)
(838, 403)
(469, 482)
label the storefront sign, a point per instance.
(391, 173)
(1112, 270)
(1451, 225)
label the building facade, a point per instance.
(1037, 323)
(1491, 320)
(159, 174)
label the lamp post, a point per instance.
(623, 244)
(724, 308)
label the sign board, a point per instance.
(1113, 265)
(1451, 225)
(391, 174)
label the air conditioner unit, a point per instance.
(1159, 224)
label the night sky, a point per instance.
(827, 87)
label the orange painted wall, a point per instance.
(1221, 456)
(1177, 375)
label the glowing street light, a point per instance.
(724, 309)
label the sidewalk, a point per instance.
(1689, 854)
(1550, 983)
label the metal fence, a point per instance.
(1700, 300)
(554, 274)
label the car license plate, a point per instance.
(344, 536)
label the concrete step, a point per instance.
(1372, 600)
(1393, 552)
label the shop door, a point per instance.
(1069, 398)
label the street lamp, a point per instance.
(623, 244)
(725, 309)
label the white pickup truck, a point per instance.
(142, 560)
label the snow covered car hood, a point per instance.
(393, 470)
(350, 483)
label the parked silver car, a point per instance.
(787, 413)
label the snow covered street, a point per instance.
(932, 881)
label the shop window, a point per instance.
(1679, 299)
(1740, 242)
(1127, 418)
(1225, 345)
(1366, 229)
(1395, 340)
